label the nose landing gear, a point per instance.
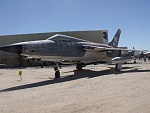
(57, 72)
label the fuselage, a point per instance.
(49, 50)
(59, 48)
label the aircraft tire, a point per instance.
(57, 74)
(118, 67)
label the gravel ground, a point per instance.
(96, 89)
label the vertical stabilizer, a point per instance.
(115, 40)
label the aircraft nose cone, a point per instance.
(17, 49)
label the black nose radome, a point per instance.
(17, 49)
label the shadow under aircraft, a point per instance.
(77, 75)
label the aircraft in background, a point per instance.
(67, 50)
(145, 53)
(126, 55)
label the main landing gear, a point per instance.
(79, 66)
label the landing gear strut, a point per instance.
(42, 65)
(57, 73)
(79, 66)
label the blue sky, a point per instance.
(37, 16)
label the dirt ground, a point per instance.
(96, 89)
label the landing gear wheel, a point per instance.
(57, 74)
(79, 67)
(118, 67)
(134, 62)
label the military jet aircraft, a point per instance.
(66, 49)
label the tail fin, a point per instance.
(115, 40)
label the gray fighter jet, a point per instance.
(67, 50)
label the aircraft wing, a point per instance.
(99, 49)
(105, 48)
